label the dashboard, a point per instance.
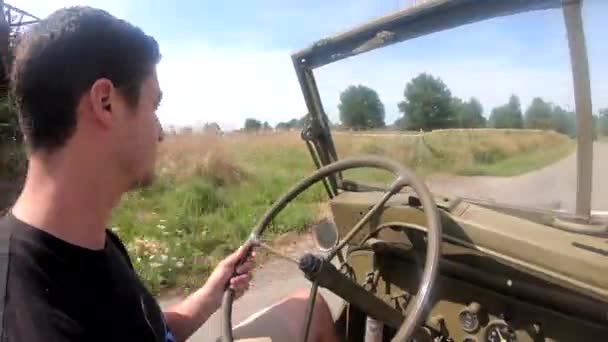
(461, 309)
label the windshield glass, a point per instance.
(483, 111)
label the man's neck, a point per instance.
(71, 203)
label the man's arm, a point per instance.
(187, 316)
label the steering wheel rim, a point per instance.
(405, 177)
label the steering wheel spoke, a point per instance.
(397, 185)
(278, 253)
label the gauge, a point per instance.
(469, 318)
(499, 331)
(469, 321)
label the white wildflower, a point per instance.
(179, 264)
(155, 264)
(161, 226)
(163, 258)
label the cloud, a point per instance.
(226, 85)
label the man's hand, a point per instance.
(234, 271)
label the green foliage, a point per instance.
(602, 123)
(401, 123)
(13, 162)
(195, 198)
(252, 125)
(539, 115)
(292, 124)
(508, 115)
(360, 108)
(488, 154)
(533, 158)
(468, 114)
(564, 121)
(427, 104)
(9, 125)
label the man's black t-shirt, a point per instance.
(57, 291)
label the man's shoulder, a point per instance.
(26, 284)
(6, 225)
(117, 242)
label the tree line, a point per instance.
(254, 125)
(429, 104)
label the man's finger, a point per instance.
(240, 254)
(240, 290)
(245, 268)
(243, 278)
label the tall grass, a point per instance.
(460, 151)
(212, 190)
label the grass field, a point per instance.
(212, 190)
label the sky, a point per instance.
(225, 61)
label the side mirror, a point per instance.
(325, 235)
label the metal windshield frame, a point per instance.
(426, 18)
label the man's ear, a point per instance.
(101, 98)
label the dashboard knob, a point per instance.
(472, 317)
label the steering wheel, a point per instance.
(404, 177)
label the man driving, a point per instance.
(86, 91)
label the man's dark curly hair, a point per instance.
(60, 58)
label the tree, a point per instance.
(564, 121)
(602, 122)
(468, 114)
(186, 130)
(427, 104)
(292, 124)
(360, 108)
(252, 125)
(539, 115)
(212, 128)
(282, 126)
(9, 125)
(401, 123)
(508, 115)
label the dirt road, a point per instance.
(551, 187)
